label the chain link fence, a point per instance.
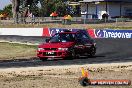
(74, 20)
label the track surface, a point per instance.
(108, 51)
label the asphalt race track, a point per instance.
(108, 51)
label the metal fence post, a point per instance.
(84, 21)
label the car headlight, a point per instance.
(63, 49)
(40, 49)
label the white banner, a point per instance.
(22, 31)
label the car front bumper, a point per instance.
(53, 54)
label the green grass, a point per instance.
(12, 51)
(119, 25)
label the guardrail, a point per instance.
(81, 20)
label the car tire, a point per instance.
(43, 59)
(73, 54)
(92, 51)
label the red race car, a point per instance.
(67, 44)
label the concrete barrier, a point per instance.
(22, 31)
(48, 32)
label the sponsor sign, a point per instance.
(91, 32)
(53, 31)
(94, 33)
(113, 33)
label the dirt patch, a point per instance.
(62, 76)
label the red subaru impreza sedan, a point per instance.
(67, 44)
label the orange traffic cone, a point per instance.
(84, 80)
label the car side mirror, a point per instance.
(47, 40)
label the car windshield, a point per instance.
(63, 37)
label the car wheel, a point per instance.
(43, 59)
(73, 54)
(92, 51)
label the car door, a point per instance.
(87, 42)
(79, 46)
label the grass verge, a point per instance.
(10, 51)
(118, 25)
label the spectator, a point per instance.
(105, 16)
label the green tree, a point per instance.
(49, 6)
(75, 9)
(1, 11)
(34, 8)
(46, 8)
(8, 9)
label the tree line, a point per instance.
(42, 8)
(7, 10)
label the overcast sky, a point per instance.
(3, 3)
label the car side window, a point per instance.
(78, 36)
(67, 37)
(82, 36)
(55, 38)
